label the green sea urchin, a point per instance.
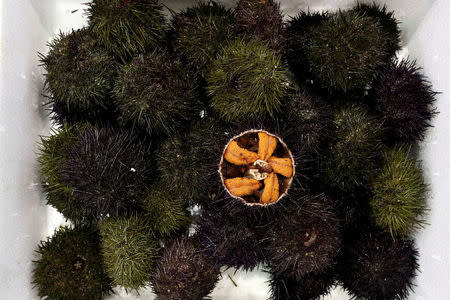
(247, 81)
(387, 21)
(200, 32)
(403, 98)
(188, 162)
(126, 27)
(166, 213)
(344, 52)
(129, 249)
(80, 74)
(156, 93)
(70, 266)
(297, 33)
(353, 158)
(53, 153)
(399, 192)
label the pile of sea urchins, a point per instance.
(213, 137)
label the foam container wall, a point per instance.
(26, 26)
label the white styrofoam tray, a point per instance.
(26, 26)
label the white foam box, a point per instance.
(26, 26)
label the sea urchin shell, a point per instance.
(257, 167)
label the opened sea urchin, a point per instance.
(256, 168)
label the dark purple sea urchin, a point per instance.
(374, 266)
(79, 72)
(344, 52)
(297, 31)
(404, 98)
(387, 21)
(310, 287)
(109, 170)
(199, 33)
(126, 27)
(183, 272)
(262, 19)
(307, 239)
(230, 240)
(62, 113)
(309, 121)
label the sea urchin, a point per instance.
(374, 266)
(399, 192)
(403, 98)
(70, 266)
